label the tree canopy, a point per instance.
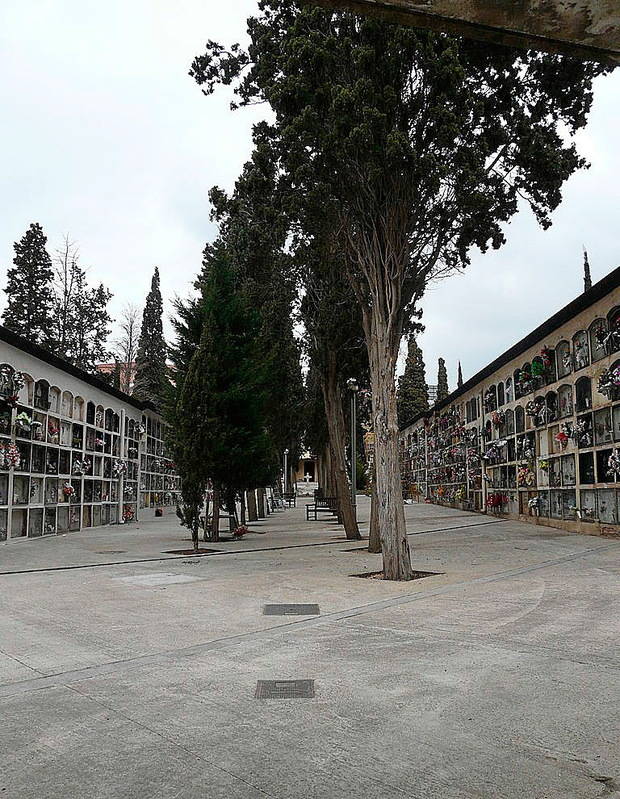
(415, 147)
(150, 381)
(29, 287)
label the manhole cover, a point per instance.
(291, 610)
(284, 689)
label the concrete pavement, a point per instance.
(127, 672)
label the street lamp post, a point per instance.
(353, 388)
(285, 470)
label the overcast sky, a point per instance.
(106, 137)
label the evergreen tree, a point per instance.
(459, 379)
(255, 227)
(442, 381)
(29, 287)
(421, 146)
(219, 418)
(412, 394)
(150, 382)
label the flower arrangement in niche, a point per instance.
(119, 468)
(489, 400)
(543, 465)
(613, 464)
(495, 501)
(23, 422)
(68, 490)
(99, 442)
(128, 513)
(81, 467)
(53, 431)
(498, 418)
(608, 381)
(534, 505)
(525, 477)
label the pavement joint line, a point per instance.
(171, 656)
(226, 552)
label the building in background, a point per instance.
(127, 372)
(536, 433)
(75, 453)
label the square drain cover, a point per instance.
(284, 689)
(291, 610)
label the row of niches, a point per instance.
(157, 465)
(567, 504)
(36, 522)
(543, 410)
(155, 447)
(20, 388)
(41, 459)
(159, 499)
(601, 466)
(57, 491)
(589, 430)
(601, 339)
(37, 426)
(159, 482)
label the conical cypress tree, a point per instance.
(459, 379)
(150, 383)
(29, 287)
(412, 394)
(442, 381)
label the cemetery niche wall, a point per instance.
(74, 453)
(536, 433)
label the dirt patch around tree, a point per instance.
(379, 575)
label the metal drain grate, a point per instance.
(284, 689)
(291, 610)
(111, 551)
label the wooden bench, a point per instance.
(291, 500)
(321, 505)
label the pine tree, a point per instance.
(442, 381)
(29, 287)
(459, 379)
(150, 383)
(412, 394)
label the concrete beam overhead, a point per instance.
(588, 29)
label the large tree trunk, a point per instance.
(262, 511)
(215, 518)
(374, 539)
(382, 341)
(337, 440)
(252, 512)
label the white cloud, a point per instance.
(106, 137)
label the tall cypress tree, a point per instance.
(150, 383)
(29, 287)
(442, 381)
(459, 379)
(412, 394)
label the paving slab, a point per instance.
(499, 676)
